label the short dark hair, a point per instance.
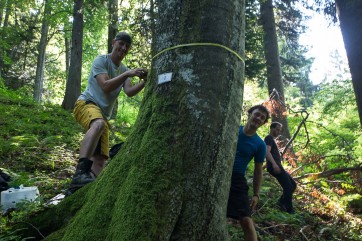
(275, 124)
(124, 37)
(262, 108)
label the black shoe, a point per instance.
(290, 211)
(81, 179)
(82, 176)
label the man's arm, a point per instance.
(269, 157)
(108, 85)
(257, 181)
(132, 90)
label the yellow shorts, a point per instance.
(84, 114)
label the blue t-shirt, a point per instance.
(247, 148)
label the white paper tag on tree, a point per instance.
(163, 78)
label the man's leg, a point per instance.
(82, 174)
(288, 188)
(99, 162)
(91, 138)
(249, 229)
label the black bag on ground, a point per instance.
(4, 179)
(115, 149)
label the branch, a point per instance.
(329, 172)
(302, 123)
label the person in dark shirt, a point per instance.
(275, 168)
(250, 146)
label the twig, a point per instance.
(301, 231)
(275, 95)
(31, 225)
(274, 226)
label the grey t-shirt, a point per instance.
(103, 65)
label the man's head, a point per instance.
(121, 45)
(275, 129)
(258, 115)
(124, 37)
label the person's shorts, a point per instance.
(238, 203)
(85, 112)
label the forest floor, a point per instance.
(39, 146)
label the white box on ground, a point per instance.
(166, 77)
(12, 196)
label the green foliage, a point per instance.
(36, 139)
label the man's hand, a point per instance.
(139, 72)
(254, 202)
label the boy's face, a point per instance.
(257, 118)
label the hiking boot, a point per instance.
(82, 176)
(290, 211)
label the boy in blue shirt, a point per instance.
(249, 146)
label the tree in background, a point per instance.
(349, 13)
(171, 179)
(38, 85)
(112, 22)
(274, 72)
(73, 87)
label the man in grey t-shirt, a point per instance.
(94, 107)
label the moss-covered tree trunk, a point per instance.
(349, 13)
(170, 181)
(274, 72)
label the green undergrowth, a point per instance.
(39, 147)
(38, 142)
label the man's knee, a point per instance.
(98, 124)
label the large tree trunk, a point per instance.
(350, 12)
(274, 73)
(171, 179)
(38, 85)
(73, 86)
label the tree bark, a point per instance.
(112, 31)
(274, 73)
(7, 7)
(349, 13)
(67, 44)
(38, 85)
(2, 7)
(171, 179)
(112, 22)
(73, 86)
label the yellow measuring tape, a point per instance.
(199, 44)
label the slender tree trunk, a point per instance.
(171, 179)
(7, 6)
(350, 12)
(2, 7)
(274, 73)
(73, 86)
(112, 31)
(38, 85)
(67, 44)
(112, 22)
